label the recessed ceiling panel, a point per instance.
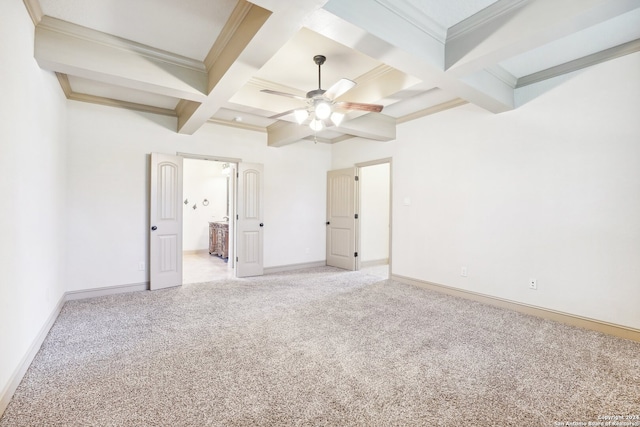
(293, 65)
(293, 70)
(186, 27)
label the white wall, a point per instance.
(108, 186)
(549, 191)
(374, 212)
(202, 179)
(32, 190)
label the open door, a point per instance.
(341, 218)
(165, 219)
(249, 223)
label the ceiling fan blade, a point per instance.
(359, 106)
(288, 95)
(286, 113)
(340, 87)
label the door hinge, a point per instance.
(355, 254)
(236, 259)
(357, 178)
(237, 216)
(356, 216)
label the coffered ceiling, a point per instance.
(204, 60)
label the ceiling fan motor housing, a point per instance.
(319, 59)
(317, 93)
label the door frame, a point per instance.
(358, 166)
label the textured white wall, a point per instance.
(108, 187)
(549, 191)
(32, 190)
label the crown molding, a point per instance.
(63, 79)
(35, 10)
(483, 17)
(432, 110)
(580, 63)
(230, 28)
(67, 28)
(110, 102)
(415, 17)
(503, 75)
(238, 125)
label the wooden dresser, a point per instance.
(219, 238)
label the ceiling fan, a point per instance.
(322, 108)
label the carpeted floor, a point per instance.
(319, 347)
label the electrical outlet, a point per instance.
(463, 272)
(533, 284)
(141, 266)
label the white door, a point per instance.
(341, 218)
(165, 219)
(249, 224)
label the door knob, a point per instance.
(261, 225)
(154, 228)
(328, 223)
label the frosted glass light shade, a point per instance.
(316, 125)
(301, 115)
(323, 110)
(337, 118)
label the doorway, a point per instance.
(208, 226)
(374, 227)
(359, 218)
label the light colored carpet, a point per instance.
(318, 347)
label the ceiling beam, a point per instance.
(580, 63)
(63, 79)
(527, 25)
(225, 72)
(353, 30)
(283, 133)
(264, 27)
(376, 126)
(70, 49)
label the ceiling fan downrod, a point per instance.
(319, 60)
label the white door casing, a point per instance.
(341, 218)
(165, 219)
(249, 224)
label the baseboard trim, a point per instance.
(282, 268)
(18, 374)
(195, 252)
(545, 313)
(374, 263)
(109, 290)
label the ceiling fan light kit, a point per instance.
(321, 104)
(323, 110)
(301, 116)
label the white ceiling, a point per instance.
(200, 61)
